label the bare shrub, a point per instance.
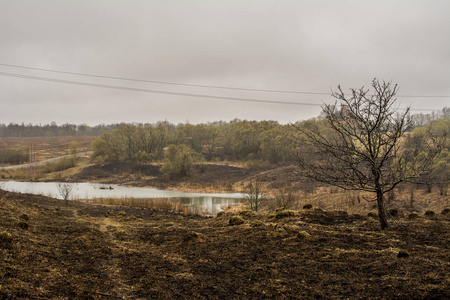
(64, 190)
(284, 198)
(5, 237)
(236, 220)
(255, 194)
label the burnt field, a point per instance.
(49, 250)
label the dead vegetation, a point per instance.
(87, 251)
(49, 147)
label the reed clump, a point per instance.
(162, 204)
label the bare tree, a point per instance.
(361, 148)
(284, 198)
(64, 190)
(255, 194)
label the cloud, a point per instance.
(293, 45)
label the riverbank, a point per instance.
(49, 250)
(233, 178)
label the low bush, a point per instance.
(255, 163)
(257, 223)
(120, 234)
(192, 237)
(5, 237)
(236, 220)
(429, 213)
(413, 216)
(247, 213)
(179, 160)
(402, 254)
(63, 164)
(393, 212)
(23, 225)
(372, 215)
(13, 156)
(24, 217)
(284, 214)
(121, 214)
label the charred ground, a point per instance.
(90, 251)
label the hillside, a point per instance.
(49, 250)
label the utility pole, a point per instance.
(32, 158)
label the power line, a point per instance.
(200, 85)
(156, 91)
(79, 83)
(166, 82)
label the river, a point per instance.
(210, 203)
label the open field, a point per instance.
(49, 147)
(49, 250)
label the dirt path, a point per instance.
(111, 230)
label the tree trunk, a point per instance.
(381, 209)
(380, 198)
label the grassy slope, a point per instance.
(94, 252)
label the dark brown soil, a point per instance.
(218, 177)
(85, 251)
(116, 171)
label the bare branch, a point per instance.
(362, 146)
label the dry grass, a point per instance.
(49, 147)
(331, 198)
(161, 204)
(50, 171)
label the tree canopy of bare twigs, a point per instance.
(362, 146)
(64, 190)
(255, 194)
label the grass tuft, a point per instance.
(236, 220)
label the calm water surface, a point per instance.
(211, 203)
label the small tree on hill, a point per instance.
(64, 190)
(179, 160)
(255, 194)
(362, 146)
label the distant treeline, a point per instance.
(30, 130)
(238, 140)
(251, 142)
(235, 140)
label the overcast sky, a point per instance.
(304, 46)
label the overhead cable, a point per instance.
(79, 83)
(155, 91)
(201, 85)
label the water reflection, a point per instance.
(210, 203)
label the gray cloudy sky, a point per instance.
(303, 45)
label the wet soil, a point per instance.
(86, 251)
